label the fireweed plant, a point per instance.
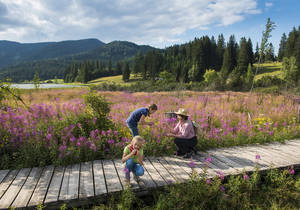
(62, 127)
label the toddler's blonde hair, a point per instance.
(138, 139)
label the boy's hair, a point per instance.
(152, 107)
(138, 139)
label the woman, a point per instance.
(184, 133)
(139, 116)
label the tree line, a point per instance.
(225, 64)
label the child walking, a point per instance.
(133, 156)
(139, 115)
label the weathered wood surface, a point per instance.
(28, 188)
(73, 184)
(99, 180)
(13, 190)
(86, 188)
(111, 176)
(53, 191)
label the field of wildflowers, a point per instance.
(60, 127)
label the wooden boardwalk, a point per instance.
(83, 183)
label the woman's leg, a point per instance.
(188, 145)
(180, 146)
(185, 145)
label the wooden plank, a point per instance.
(112, 179)
(63, 195)
(291, 159)
(226, 169)
(242, 157)
(100, 187)
(28, 188)
(293, 142)
(146, 180)
(70, 185)
(120, 170)
(7, 181)
(3, 174)
(199, 167)
(293, 148)
(234, 164)
(162, 171)
(86, 180)
(14, 188)
(171, 169)
(272, 157)
(40, 191)
(159, 181)
(289, 150)
(178, 170)
(55, 185)
(251, 152)
(181, 164)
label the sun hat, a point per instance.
(182, 111)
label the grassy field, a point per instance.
(268, 69)
(116, 79)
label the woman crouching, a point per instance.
(184, 133)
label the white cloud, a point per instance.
(268, 4)
(143, 22)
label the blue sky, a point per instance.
(159, 23)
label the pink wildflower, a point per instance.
(192, 164)
(208, 181)
(246, 177)
(208, 160)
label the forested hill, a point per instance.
(20, 61)
(12, 53)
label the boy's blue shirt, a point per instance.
(136, 115)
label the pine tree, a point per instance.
(270, 53)
(126, 72)
(282, 47)
(109, 66)
(226, 65)
(297, 56)
(256, 54)
(291, 43)
(118, 69)
(36, 80)
(249, 77)
(243, 57)
(220, 52)
(250, 51)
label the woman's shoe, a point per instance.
(187, 155)
(178, 153)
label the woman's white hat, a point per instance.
(182, 111)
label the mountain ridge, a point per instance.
(19, 61)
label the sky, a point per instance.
(158, 23)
